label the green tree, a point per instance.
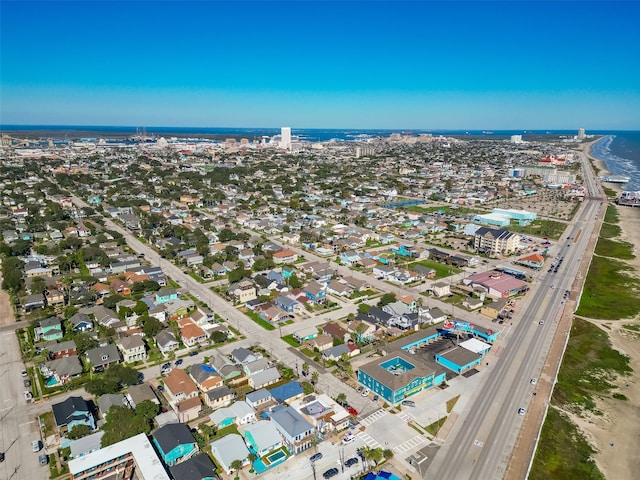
(79, 431)
(294, 281)
(151, 326)
(84, 342)
(236, 466)
(387, 454)
(386, 299)
(341, 398)
(100, 386)
(314, 377)
(147, 409)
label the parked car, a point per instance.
(315, 457)
(522, 411)
(193, 354)
(348, 438)
(409, 403)
(24, 373)
(36, 446)
(375, 398)
(1, 457)
(27, 395)
(27, 383)
(365, 392)
(332, 472)
(178, 362)
(359, 389)
(533, 381)
(160, 388)
(350, 462)
(43, 459)
(352, 411)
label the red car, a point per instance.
(352, 411)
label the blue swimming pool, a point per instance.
(272, 459)
(50, 382)
(275, 456)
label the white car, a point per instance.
(348, 438)
(365, 392)
(522, 411)
(534, 381)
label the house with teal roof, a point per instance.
(165, 295)
(49, 329)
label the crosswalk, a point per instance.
(368, 440)
(374, 417)
(409, 444)
(407, 417)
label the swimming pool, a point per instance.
(275, 456)
(50, 382)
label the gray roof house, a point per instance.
(103, 356)
(263, 437)
(294, 428)
(229, 448)
(140, 393)
(199, 467)
(108, 400)
(254, 367)
(85, 445)
(81, 322)
(105, 316)
(334, 353)
(242, 355)
(264, 378)
(166, 341)
(64, 368)
(259, 397)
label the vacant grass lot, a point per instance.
(563, 453)
(441, 269)
(609, 293)
(540, 228)
(588, 365)
(612, 248)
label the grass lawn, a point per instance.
(291, 341)
(609, 293)
(540, 228)
(563, 453)
(588, 365)
(263, 323)
(611, 248)
(441, 269)
(435, 427)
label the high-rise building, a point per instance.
(581, 135)
(516, 138)
(285, 138)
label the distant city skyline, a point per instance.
(360, 65)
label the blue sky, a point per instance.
(415, 65)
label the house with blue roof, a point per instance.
(287, 393)
(287, 304)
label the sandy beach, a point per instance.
(616, 433)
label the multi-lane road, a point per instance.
(481, 442)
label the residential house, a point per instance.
(264, 378)
(284, 256)
(262, 437)
(305, 334)
(296, 431)
(137, 394)
(81, 322)
(62, 369)
(322, 412)
(258, 365)
(238, 412)
(106, 317)
(321, 342)
(336, 331)
(108, 400)
(472, 303)
(287, 393)
(228, 449)
(132, 348)
(433, 315)
(287, 304)
(315, 292)
(198, 467)
(29, 303)
(260, 400)
(205, 377)
(242, 355)
(334, 353)
(72, 412)
(53, 297)
(534, 261)
(175, 443)
(228, 370)
(62, 349)
(341, 289)
(440, 289)
(103, 356)
(188, 410)
(179, 385)
(190, 333)
(49, 329)
(166, 341)
(219, 397)
(165, 295)
(361, 331)
(243, 291)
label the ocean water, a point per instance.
(620, 151)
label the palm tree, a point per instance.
(305, 367)
(236, 466)
(314, 377)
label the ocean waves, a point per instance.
(621, 155)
